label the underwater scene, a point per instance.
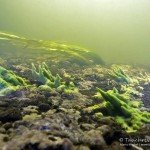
(74, 75)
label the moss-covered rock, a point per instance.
(10, 114)
(56, 51)
(31, 117)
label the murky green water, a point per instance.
(117, 30)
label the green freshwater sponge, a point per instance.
(44, 77)
(125, 111)
(9, 82)
(120, 76)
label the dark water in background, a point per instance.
(118, 30)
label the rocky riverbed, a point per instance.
(42, 119)
(59, 97)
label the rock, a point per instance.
(50, 112)
(10, 130)
(116, 146)
(94, 139)
(2, 140)
(107, 121)
(54, 93)
(81, 147)
(18, 123)
(145, 109)
(104, 129)
(67, 144)
(86, 126)
(2, 130)
(31, 117)
(4, 104)
(10, 114)
(44, 107)
(38, 141)
(7, 125)
(146, 96)
(5, 138)
(56, 101)
(30, 109)
(98, 116)
(67, 96)
(86, 87)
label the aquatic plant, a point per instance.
(9, 81)
(47, 81)
(125, 111)
(120, 76)
(65, 51)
